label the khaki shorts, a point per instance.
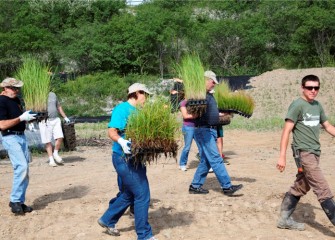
(312, 177)
(52, 128)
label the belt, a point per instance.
(208, 126)
(10, 132)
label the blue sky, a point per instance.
(134, 2)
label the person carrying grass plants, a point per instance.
(135, 186)
(176, 93)
(188, 132)
(12, 124)
(303, 118)
(52, 128)
(206, 136)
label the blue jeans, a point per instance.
(135, 191)
(17, 148)
(188, 133)
(209, 158)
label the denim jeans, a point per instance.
(135, 191)
(188, 133)
(209, 158)
(17, 148)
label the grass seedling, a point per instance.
(152, 130)
(36, 86)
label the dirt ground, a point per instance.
(69, 199)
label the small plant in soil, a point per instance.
(152, 130)
(192, 72)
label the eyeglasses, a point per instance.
(310, 88)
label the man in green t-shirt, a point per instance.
(304, 117)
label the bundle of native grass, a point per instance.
(152, 130)
(192, 72)
(36, 88)
(233, 102)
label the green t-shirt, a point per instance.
(307, 117)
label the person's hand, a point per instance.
(67, 120)
(281, 164)
(27, 116)
(125, 144)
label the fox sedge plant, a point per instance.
(36, 86)
(152, 130)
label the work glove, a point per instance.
(125, 144)
(66, 120)
(27, 116)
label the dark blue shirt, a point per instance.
(211, 115)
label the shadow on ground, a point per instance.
(73, 159)
(68, 193)
(306, 209)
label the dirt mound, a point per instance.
(273, 91)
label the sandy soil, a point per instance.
(68, 200)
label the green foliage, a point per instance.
(233, 37)
(192, 72)
(36, 79)
(96, 94)
(152, 130)
(239, 101)
(153, 122)
(255, 124)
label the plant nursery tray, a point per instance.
(235, 111)
(40, 116)
(196, 102)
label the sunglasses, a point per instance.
(310, 88)
(14, 88)
(142, 92)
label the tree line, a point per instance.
(232, 37)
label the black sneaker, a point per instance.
(198, 190)
(16, 207)
(230, 191)
(26, 208)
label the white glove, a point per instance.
(27, 116)
(125, 144)
(66, 120)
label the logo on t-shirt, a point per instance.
(310, 120)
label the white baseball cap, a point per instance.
(11, 82)
(211, 75)
(138, 87)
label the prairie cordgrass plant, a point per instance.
(192, 72)
(236, 102)
(36, 86)
(153, 130)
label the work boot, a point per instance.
(328, 207)
(16, 208)
(288, 206)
